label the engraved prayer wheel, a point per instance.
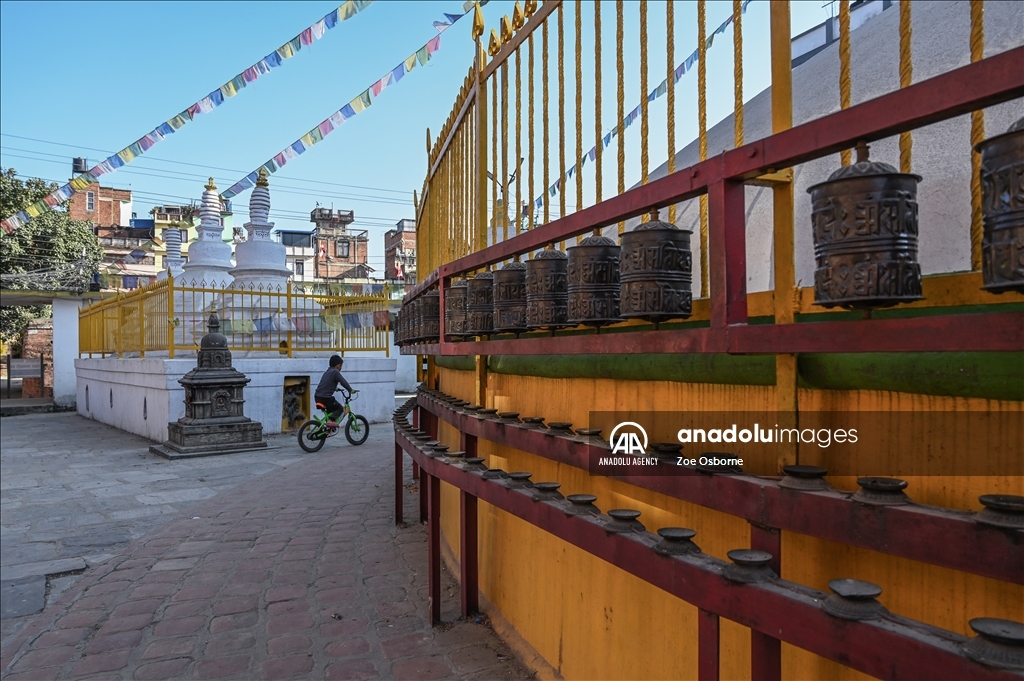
(1002, 206)
(656, 272)
(431, 316)
(480, 305)
(400, 327)
(547, 290)
(510, 298)
(455, 310)
(593, 278)
(865, 236)
(415, 320)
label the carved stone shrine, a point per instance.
(214, 422)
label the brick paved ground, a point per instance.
(298, 574)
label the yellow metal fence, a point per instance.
(167, 317)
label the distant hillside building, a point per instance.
(341, 253)
(299, 253)
(400, 252)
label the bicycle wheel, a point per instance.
(311, 436)
(357, 430)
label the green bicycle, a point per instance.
(314, 432)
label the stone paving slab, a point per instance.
(299, 573)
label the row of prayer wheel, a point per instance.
(865, 227)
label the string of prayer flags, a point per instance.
(358, 104)
(347, 10)
(659, 91)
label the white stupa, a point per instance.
(209, 258)
(172, 255)
(260, 262)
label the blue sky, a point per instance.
(89, 78)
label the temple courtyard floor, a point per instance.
(276, 564)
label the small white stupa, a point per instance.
(260, 262)
(172, 254)
(209, 258)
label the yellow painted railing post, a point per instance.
(171, 318)
(120, 325)
(142, 324)
(782, 228)
(288, 303)
(481, 149)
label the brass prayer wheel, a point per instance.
(865, 236)
(656, 271)
(1002, 205)
(416, 332)
(400, 326)
(510, 298)
(593, 277)
(547, 290)
(431, 316)
(480, 305)
(455, 310)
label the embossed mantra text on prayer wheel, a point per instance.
(455, 310)
(865, 236)
(416, 320)
(1002, 205)
(432, 316)
(593, 276)
(399, 326)
(656, 271)
(510, 298)
(547, 291)
(480, 305)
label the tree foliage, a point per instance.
(47, 242)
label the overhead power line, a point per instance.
(198, 165)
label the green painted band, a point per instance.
(988, 375)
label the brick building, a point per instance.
(400, 252)
(341, 253)
(102, 206)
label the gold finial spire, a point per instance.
(262, 180)
(478, 22)
(210, 185)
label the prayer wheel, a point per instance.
(455, 310)
(431, 316)
(865, 236)
(480, 305)
(547, 305)
(415, 320)
(1002, 205)
(593, 278)
(400, 327)
(656, 271)
(510, 298)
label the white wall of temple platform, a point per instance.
(142, 396)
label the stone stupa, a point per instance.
(214, 421)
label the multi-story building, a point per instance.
(299, 253)
(105, 206)
(400, 252)
(128, 254)
(341, 253)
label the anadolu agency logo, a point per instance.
(628, 440)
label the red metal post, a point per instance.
(727, 253)
(707, 646)
(423, 495)
(468, 553)
(399, 489)
(434, 547)
(765, 657)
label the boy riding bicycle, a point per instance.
(325, 390)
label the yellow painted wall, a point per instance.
(591, 620)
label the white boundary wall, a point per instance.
(142, 395)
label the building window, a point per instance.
(184, 236)
(341, 249)
(90, 201)
(300, 268)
